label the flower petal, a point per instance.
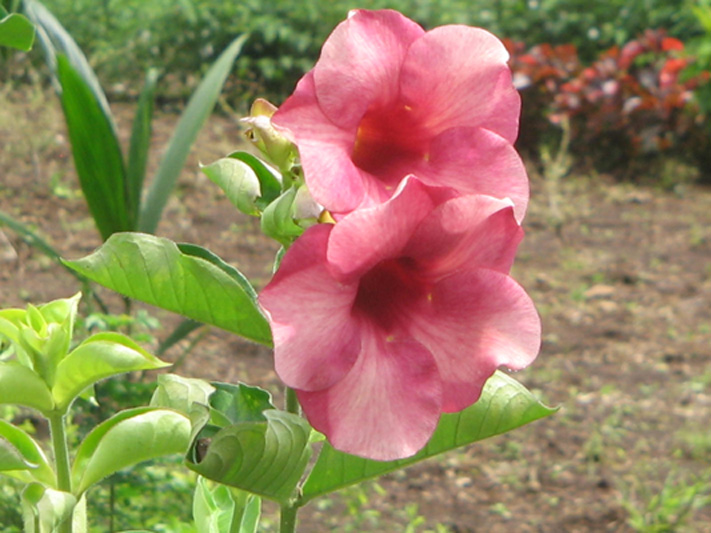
(473, 323)
(472, 230)
(367, 236)
(316, 342)
(458, 76)
(360, 64)
(388, 405)
(475, 160)
(324, 148)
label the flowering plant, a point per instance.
(393, 186)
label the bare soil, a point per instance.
(621, 275)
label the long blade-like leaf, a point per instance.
(97, 153)
(156, 271)
(56, 40)
(34, 240)
(140, 143)
(505, 404)
(199, 108)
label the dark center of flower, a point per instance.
(388, 291)
(387, 139)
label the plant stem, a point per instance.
(287, 522)
(61, 459)
(292, 402)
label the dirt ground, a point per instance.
(621, 275)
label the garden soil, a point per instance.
(621, 275)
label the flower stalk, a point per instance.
(58, 433)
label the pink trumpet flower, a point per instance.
(398, 313)
(387, 99)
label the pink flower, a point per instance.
(398, 313)
(387, 99)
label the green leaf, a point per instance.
(21, 386)
(19, 451)
(45, 509)
(97, 153)
(16, 31)
(139, 146)
(221, 509)
(504, 405)
(56, 40)
(240, 402)
(154, 270)
(126, 439)
(198, 109)
(179, 393)
(270, 186)
(98, 357)
(194, 250)
(278, 219)
(264, 458)
(238, 181)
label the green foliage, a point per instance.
(112, 187)
(125, 439)
(125, 38)
(504, 405)
(16, 31)
(41, 370)
(187, 280)
(670, 508)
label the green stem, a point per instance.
(61, 459)
(287, 523)
(292, 402)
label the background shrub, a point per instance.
(125, 37)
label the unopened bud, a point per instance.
(277, 148)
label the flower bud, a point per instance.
(280, 150)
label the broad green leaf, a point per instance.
(139, 146)
(264, 458)
(21, 386)
(198, 109)
(270, 185)
(16, 31)
(55, 40)
(504, 405)
(179, 393)
(10, 320)
(45, 509)
(98, 357)
(154, 270)
(62, 311)
(97, 152)
(238, 181)
(35, 241)
(194, 250)
(126, 439)
(19, 451)
(221, 509)
(240, 402)
(278, 219)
